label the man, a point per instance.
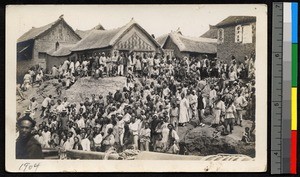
(45, 104)
(27, 147)
(121, 63)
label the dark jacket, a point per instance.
(28, 148)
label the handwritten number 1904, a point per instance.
(29, 167)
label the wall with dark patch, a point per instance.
(60, 33)
(54, 60)
(229, 47)
(24, 65)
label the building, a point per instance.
(128, 38)
(58, 55)
(84, 33)
(175, 44)
(34, 44)
(236, 36)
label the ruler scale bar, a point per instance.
(276, 107)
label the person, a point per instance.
(145, 137)
(19, 92)
(27, 147)
(174, 115)
(246, 135)
(240, 104)
(134, 127)
(121, 62)
(27, 80)
(173, 139)
(77, 144)
(108, 141)
(229, 116)
(33, 106)
(183, 110)
(98, 139)
(45, 104)
(218, 110)
(85, 142)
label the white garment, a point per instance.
(98, 139)
(86, 144)
(183, 111)
(46, 102)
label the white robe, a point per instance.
(183, 111)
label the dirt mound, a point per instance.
(85, 87)
(200, 141)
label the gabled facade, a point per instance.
(34, 44)
(128, 38)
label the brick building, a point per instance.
(236, 36)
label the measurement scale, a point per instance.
(284, 96)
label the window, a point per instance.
(243, 34)
(220, 36)
(238, 34)
(247, 34)
(42, 55)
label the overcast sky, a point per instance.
(193, 20)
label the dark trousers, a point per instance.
(228, 121)
(43, 110)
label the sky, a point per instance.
(193, 20)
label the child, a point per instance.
(174, 149)
(246, 135)
(174, 116)
(159, 144)
(145, 137)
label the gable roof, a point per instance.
(193, 44)
(162, 39)
(235, 20)
(34, 33)
(84, 33)
(63, 50)
(106, 38)
(211, 33)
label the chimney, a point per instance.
(61, 16)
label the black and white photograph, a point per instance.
(136, 88)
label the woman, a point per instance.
(77, 144)
(218, 109)
(183, 110)
(108, 141)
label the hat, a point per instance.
(27, 111)
(120, 115)
(26, 118)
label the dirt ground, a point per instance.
(198, 140)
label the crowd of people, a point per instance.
(161, 94)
